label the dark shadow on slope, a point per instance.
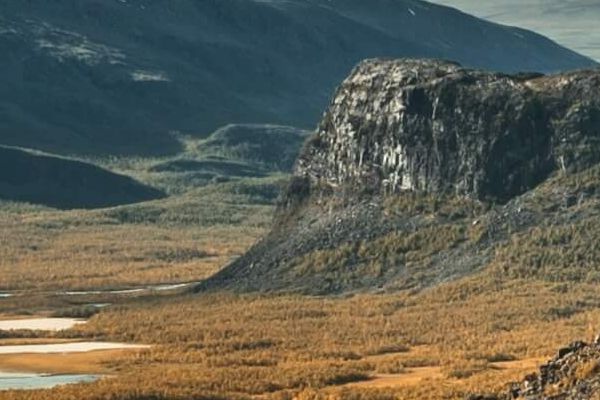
(111, 77)
(65, 184)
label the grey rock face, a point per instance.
(433, 126)
(573, 374)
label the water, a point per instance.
(28, 381)
(151, 288)
(145, 289)
(75, 347)
(101, 305)
(16, 381)
(40, 324)
(98, 292)
(161, 288)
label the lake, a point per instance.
(74, 347)
(41, 324)
(14, 381)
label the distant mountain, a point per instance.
(63, 183)
(572, 23)
(234, 151)
(116, 76)
(275, 147)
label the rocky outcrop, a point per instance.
(435, 127)
(409, 131)
(573, 374)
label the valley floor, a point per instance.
(472, 335)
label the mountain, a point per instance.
(63, 183)
(423, 171)
(233, 152)
(274, 147)
(572, 23)
(117, 76)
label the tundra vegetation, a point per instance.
(473, 334)
(443, 333)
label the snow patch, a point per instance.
(149, 76)
(66, 45)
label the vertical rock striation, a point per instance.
(435, 127)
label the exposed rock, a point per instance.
(433, 126)
(409, 154)
(574, 374)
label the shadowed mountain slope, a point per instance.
(110, 76)
(275, 147)
(65, 184)
(572, 23)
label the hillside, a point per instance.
(116, 77)
(237, 150)
(274, 147)
(571, 23)
(65, 183)
(423, 172)
(517, 264)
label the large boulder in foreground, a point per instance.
(573, 374)
(409, 157)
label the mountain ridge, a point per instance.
(570, 23)
(116, 77)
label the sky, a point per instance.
(572, 23)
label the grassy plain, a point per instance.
(179, 239)
(92, 362)
(283, 346)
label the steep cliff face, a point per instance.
(435, 127)
(420, 169)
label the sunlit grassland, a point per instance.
(280, 346)
(537, 294)
(179, 239)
